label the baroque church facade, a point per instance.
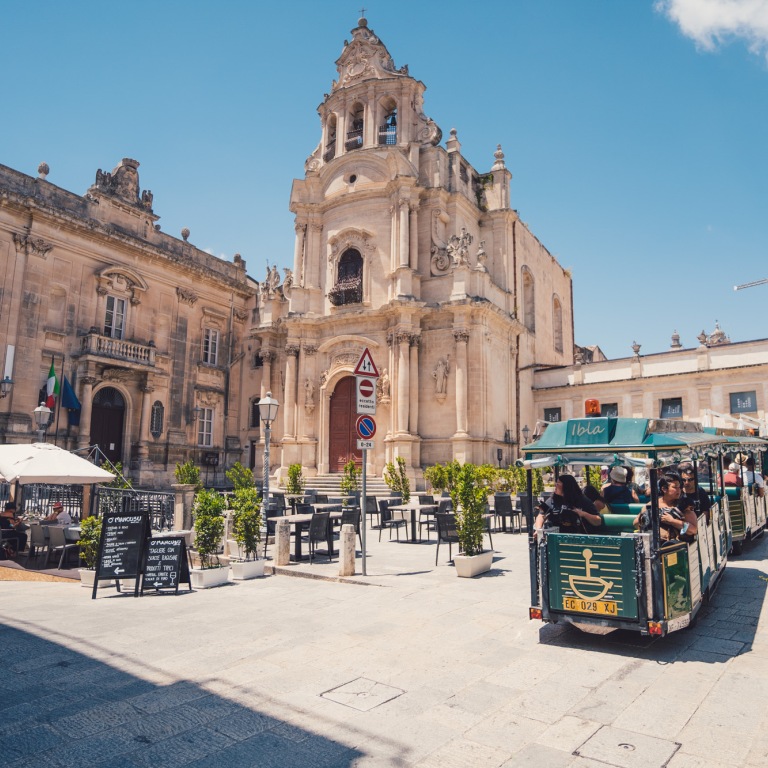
(402, 247)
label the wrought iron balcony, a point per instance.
(347, 291)
(330, 151)
(387, 134)
(117, 349)
(354, 139)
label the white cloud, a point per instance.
(711, 23)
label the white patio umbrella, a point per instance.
(47, 463)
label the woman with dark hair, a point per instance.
(569, 509)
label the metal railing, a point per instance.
(354, 139)
(387, 134)
(159, 504)
(347, 291)
(38, 498)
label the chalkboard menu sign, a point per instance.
(121, 548)
(165, 564)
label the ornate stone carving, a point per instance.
(482, 257)
(383, 387)
(440, 375)
(32, 246)
(123, 184)
(287, 282)
(309, 396)
(241, 315)
(267, 355)
(324, 378)
(358, 239)
(461, 334)
(186, 296)
(117, 374)
(309, 350)
(90, 381)
(208, 398)
(390, 338)
(404, 337)
(292, 350)
(346, 358)
(636, 348)
(458, 248)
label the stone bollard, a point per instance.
(282, 542)
(347, 551)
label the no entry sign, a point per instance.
(366, 394)
(366, 427)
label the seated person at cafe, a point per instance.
(676, 518)
(617, 491)
(568, 509)
(59, 515)
(13, 534)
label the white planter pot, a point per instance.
(209, 577)
(247, 569)
(87, 577)
(467, 567)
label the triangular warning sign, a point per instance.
(366, 366)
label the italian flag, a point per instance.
(52, 388)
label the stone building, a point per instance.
(717, 383)
(405, 248)
(147, 329)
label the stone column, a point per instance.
(267, 356)
(414, 385)
(86, 401)
(291, 356)
(308, 403)
(312, 258)
(413, 230)
(404, 236)
(298, 253)
(146, 405)
(461, 336)
(403, 381)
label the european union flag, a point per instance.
(71, 403)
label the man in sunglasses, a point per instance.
(691, 490)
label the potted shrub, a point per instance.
(90, 536)
(295, 482)
(246, 528)
(209, 527)
(469, 496)
(397, 480)
(442, 477)
(350, 480)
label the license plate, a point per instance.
(605, 607)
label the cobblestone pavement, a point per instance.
(418, 668)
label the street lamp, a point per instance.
(267, 413)
(5, 386)
(525, 432)
(42, 414)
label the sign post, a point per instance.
(366, 374)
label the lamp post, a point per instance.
(525, 431)
(5, 386)
(267, 413)
(42, 414)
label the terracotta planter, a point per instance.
(88, 576)
(204, 578)
(467, 567)
(247, 569)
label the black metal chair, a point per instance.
(321, 498)
(427, 518)
(371, 507)
(352, 516)
(386, 520)
(270, 514)
(319, 531)
(525, 506)
(446, 531)
(503, 509)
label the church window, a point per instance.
(349, 283)
(557, 324)
(356, 126)
(156, 420)
(255, 416)
(114, 318)
(529, 300)
(388, 131)
(205, 428)
(210, 346)
(330, 140)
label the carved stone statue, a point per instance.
(288, 282)
(309, 392)
(273, 279)
(458, 248)
(440, 375)
(383, 387)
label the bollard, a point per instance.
(347, 551)
(283, 542)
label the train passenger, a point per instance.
(617, 491)
(594, 496)
(673, 522)
(569, 509)
(733, 477)
(754, 478)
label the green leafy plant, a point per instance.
(397, 480)
(469, 496)
(442, 477)
(246, 520)
(208, 511)
(239, 476)
(90, 536)
(350, 480)
(593, 476)
(117, 470)
(295, 482)
(188, 474)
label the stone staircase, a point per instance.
(330, 485)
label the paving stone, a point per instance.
(460, 753)
(568, 733)
(539, 756)
(627, 749)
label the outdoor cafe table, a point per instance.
(414, 508)
(299, 522)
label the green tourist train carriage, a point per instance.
(617, 577)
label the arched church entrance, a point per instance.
(343, 415)
(107, 423)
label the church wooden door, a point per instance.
(343, 438)
(107, 422)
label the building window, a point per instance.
(349, 285)
(114, 319)
(557, 324)
(552, 415)
(388, 131)
(356, 121)
(156, 421)
(255, 420)
(672, 408)
(529, 300)
(610, 409)
(744, 402)
(205, 428)
(210, 346)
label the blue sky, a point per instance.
(635, 131)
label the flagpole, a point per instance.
(58, 404)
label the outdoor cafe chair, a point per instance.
(37, 541)
(386, 520)
(57, 541)
(319, 531)
(270, 514)
(446, 531)
(371, 507)
(321, 498)
(351, 516)
(427, 518)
